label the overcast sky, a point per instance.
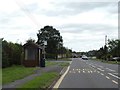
(83, 25)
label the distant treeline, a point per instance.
(112, 49)
(11, 54)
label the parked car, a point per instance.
(116, 58)
(84, 57)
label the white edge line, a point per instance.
(61, 78)
(114, 75)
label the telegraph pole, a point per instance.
(105, 39)
(105, 47)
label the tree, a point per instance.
(53, 38)
(30, 40)
(114, 47)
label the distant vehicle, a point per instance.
(84, 57)
(116, 58)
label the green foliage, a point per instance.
(13, 73)
(112, 50)
(11, 53)
(53, 38)
(30, 40)
(42, 81)
(114, 47)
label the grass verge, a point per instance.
(43, 81)
(63, 64)
(109, 62)
(50, 63)
(65, 59)
(13, 73)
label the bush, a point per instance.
(11, 54)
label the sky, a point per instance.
(82, 24)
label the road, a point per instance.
(90, 74)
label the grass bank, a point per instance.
(13, 73)
(43, 81)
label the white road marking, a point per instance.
(88, 71)
(93, 66)
(101, 73)
(91, 71)
(110, 69)
(107, 77)
(100, 66)
(114, 81)
(79, 71)
(83, 71)
(100, 69)
(62, 77)
(114, 75)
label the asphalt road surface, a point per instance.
(90, 74)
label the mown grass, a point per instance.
(63, 64)
(50, 63)
(13, 73)
(42, 81)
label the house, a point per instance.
(32, 55)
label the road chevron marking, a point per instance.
(110, 69)
(107, 77)
(100, 69)
(114, 81)
(114, 75)
(61, 78)
(101, 73)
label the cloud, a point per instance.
(80, 23)
(67, 9)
